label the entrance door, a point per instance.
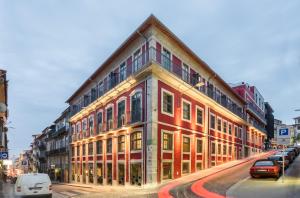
(121, 173)
(109, 173)
(136, 174)
(99, 173)
(91, 173)
(84, 173)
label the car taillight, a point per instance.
(50, 187)
(271, 170)
(19, 189)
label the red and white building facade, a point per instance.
(152, 112)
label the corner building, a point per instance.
(153, 111)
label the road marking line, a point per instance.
(230, 191)
(68, 193)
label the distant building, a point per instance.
(3, 110)
(270, 122)
(255, 110)
(297, 129)
(58, 148)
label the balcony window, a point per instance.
(235, 131)
(136, 141)
(93, 94)
(230, 150)
(83, 149)
(166, 59)
(199, 146)
(121, 113)
(137, 60)
(112, 80)
(122, 71)
(199, 115)
(109, 145)
(136, 107)
(109, 118)
(167, 141)
(90, 148)
(168, 102)
(99, 122)
(186, 144)
(99, 147)
(186, 110)
(185, 73)
(91, 125)
(219, 127)
(230, 129)
(100, 89)
(225, 127)
(212, 121)
(84, 127)
(121, 143)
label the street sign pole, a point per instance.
(283, 162)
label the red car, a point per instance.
(265, 167)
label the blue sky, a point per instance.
(50, 47)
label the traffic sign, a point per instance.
(3, 155)
(283, 132)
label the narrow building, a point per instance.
(154, 111)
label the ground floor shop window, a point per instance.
(199, 166)
(121, 173)
(136, 174)
(99, 173)
(185, 167)
(91, 173)
(167, 170)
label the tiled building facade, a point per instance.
(154, 111)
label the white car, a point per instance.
(33, 184)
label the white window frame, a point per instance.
(225, 122)
(162, 102)
(200, 108)
(187, 136)
(162, 142)
(219, 118)
(214, 115)
(186, 101)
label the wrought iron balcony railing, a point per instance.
(171, 66)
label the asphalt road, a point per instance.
(269, 187)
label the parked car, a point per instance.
(279, 160)
(265, 167)
(292, 149)
(287, 155)
(33, 184)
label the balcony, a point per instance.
(258, 126)
(152, 55)
(255, 110)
